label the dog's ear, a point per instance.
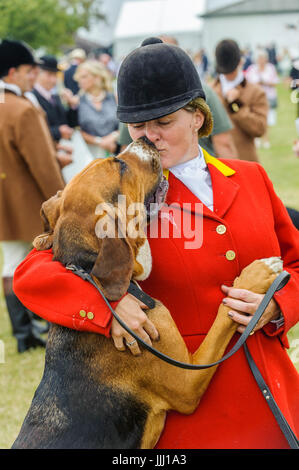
(114, 266)
(49, 213)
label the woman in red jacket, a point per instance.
(240, 219)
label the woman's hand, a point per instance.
(130, 311)
(244, 303)
(66, 131)
(109, 142)
(70, 99)
(64, 159)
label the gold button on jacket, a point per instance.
(90, 316)
(221, 229)
(82, 313)
(230, 255)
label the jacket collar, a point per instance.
(11, 88)
(242, 84)
(43, 92)
(224, 169)
(224, 189)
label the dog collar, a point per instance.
(136, 291)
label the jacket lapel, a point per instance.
(46, 105)
(224, 190)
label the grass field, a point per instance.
(21, 373)
(279, 161)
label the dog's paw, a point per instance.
(259, 275)
(43, 242)
(275, 263)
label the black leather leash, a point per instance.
(281, 421)
(139, 294)
(280, 281)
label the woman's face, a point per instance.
(174, 135)
(262, 60)
(87, 81)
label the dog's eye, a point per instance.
(123, 165)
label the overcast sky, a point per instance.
(103, 33)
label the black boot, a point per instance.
(29, 342)
(294, 214)
(39, 325)
(22, 328)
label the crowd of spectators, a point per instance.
(80, 94)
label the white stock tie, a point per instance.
(196, 176)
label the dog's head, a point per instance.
(98, 221)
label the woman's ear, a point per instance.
(199, 119)
(207, 125)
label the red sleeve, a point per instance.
(288, 237)
(54, 293)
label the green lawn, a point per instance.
(21, 373)
(279, 161)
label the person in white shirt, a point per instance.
(264, 73)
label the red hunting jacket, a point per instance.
(249, 222)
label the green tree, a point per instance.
(46, 23)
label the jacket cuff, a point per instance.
(275, 329)
(280, 329)
(101, 323)
(278, 322)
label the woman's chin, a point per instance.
(165, 161)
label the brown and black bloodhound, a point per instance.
(91, 395)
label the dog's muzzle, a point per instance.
(154, 201)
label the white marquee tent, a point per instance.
(138, 20)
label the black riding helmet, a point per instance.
(154, 80)
(14, 54)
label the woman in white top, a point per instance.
(264, 73)
(97, 108)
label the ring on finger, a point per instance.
(131, 343)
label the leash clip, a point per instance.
(71, 267)
(79, 271)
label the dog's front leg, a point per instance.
(257, 277)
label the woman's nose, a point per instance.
(152, 133)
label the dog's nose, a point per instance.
(147, 141)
